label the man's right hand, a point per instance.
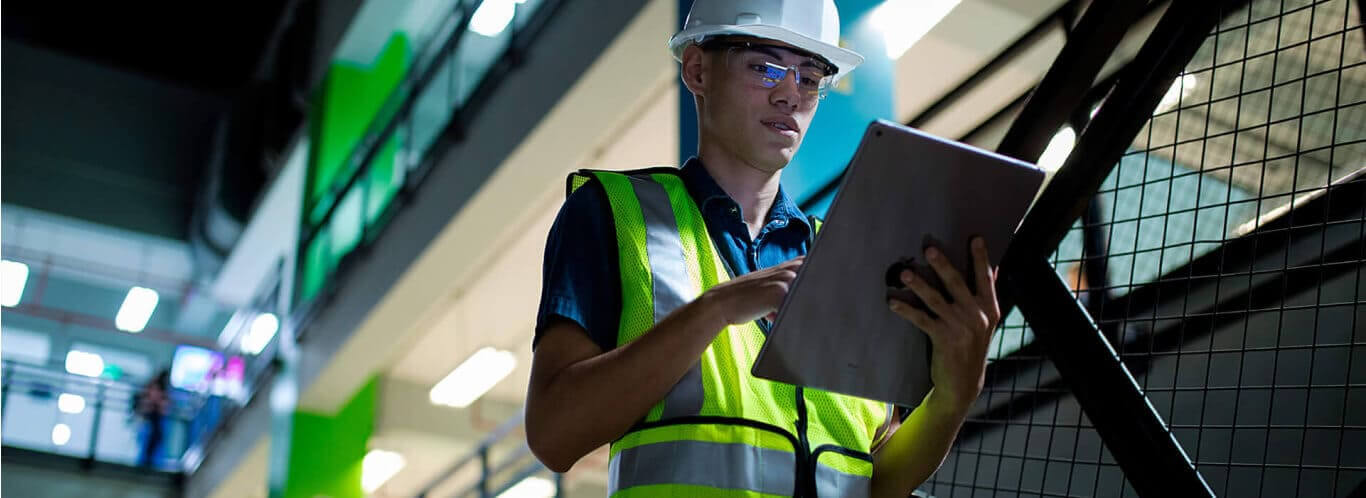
(754, 295)
(581, 397)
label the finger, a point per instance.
(953, 281)
(920, 319)
(785, 274)
(929, 295)
(791, 264)
(981, 264)
(986, 279)
(993, 307)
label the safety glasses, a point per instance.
(762, 65)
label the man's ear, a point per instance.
(694, 70)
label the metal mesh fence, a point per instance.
(1223, 259)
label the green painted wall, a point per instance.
(350, 102)
(325, 452)
(351, 98)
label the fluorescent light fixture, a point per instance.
(1058, 149)
(904, 22)
(262, 330)
(61, 434)
(473, 378)
(233, 329)
(377, 467)
(493, 16)
(83, 363)
(13, 276)
(1180, 89)
(137, 307)
(71, 403)
(531, 487)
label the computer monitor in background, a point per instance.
(206, 371)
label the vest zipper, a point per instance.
(807, 465)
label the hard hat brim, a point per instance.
(843, 59)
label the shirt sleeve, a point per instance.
(580, 281)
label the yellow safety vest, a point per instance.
(720, 432)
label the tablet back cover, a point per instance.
(904, 190)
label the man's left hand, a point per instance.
(962, 331)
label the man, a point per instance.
(659, 284)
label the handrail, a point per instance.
(479, 453)
(101, 397)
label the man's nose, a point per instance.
(786, 90)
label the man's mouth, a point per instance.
(782, 127)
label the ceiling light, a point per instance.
(83, 363)
(493, 16)
(1180, 89)
(233, 329)
(61, 434)
(531, 487)
(71, 403)
(473, 378)
(262, 330)
(904, 22)
(13, 276)
(137, 308)
(377, 467)
(1058, 149)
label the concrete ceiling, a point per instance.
(80, 271)
(102, 144)
(110, 113)
(211, 48)
(115, 104)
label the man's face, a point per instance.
(760, 125)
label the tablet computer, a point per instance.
(903, 190)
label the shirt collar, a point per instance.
(709, 195)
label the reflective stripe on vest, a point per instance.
(712, 456)
(719, 431)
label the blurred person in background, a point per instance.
(152, 404)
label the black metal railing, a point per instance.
(1194, 273)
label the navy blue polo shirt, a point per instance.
(581, 282)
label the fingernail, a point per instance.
(932, 253)
(979, 243)
(907, 276)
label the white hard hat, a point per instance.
(810, 25)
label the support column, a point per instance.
(316, 454)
